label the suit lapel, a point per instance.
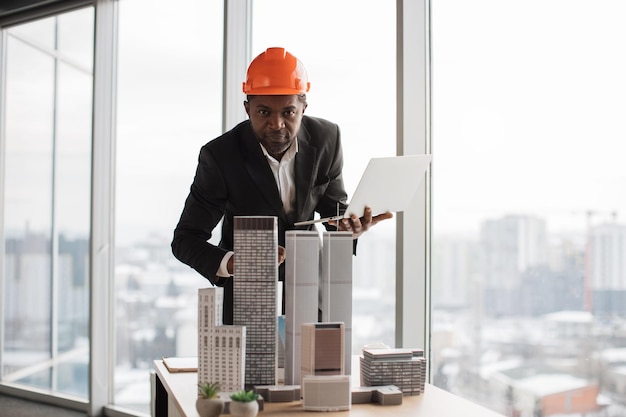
(305, 162)
(261, 174)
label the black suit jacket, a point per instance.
(233, 178)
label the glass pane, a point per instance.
(528, 276)
(28, 210)
(78, 49)
(46, 214)
(348, 63)
(72, 217)
(41, 32)
(169, 105)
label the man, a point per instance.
(277, 163)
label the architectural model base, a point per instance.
(382, 394)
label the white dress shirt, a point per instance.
(285, 176)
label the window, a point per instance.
(47, 191)
(169, 105)
(527, 204)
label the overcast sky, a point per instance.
(528, 110)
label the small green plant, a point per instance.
(244, 396)
(208, 389)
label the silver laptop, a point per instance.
(387, 184)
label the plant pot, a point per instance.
(209, 407)
(247, 409)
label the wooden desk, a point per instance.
(175, 395)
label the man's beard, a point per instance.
(277, 147)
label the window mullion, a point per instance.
(102, 208)
(413, 236)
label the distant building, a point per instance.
(221, 349)
(337, 250)
(510, 245)
(612, 372)
(454, 263)
(607, 268)
(301, 294)
(534, 392)
(27, 287)
(567, 334)
(544, 290)
(254, 301)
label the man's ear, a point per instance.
(304, 108)
(246, 105)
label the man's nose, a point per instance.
(276, 121)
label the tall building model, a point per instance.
(254, 301)
(301, 294)
(221, 349)
(336, 285)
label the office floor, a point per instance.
(18, 407)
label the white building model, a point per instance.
(221, 349)
(254, 300)
(337, 250)
(301, 294)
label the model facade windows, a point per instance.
(254, 300)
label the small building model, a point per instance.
(322, 350)
(337, 250)
(221, 349)
(404, 368)
(254, 299)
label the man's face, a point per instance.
(275, 121)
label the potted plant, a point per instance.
(244, 404)
(209, 404)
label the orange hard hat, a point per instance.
(276, 72)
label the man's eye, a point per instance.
(264, 112)
(290, 113)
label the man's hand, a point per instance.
(357, 225)
(282, 254)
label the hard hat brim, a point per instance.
(274, 91)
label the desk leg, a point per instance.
(160, 399)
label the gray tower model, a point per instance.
(301, 294)
(337, 249)
(254, 301)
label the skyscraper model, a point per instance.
(301, 294)
(337, 249)
(221, 349)
(254, 287)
